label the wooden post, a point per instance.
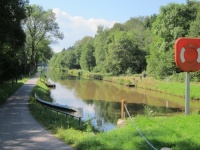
(122, 109)
(121, 122)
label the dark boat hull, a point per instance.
(73, 111)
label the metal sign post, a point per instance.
(187, 94)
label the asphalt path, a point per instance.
(19, 130)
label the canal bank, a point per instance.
(173, 85)
(182, 128)
(101, 100)
(158, 130)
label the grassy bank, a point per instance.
(172, 85)
(164, 86)
(179, 132)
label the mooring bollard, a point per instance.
(121, 121)
(122, 109)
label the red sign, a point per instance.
(187, 54)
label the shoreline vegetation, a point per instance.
(178, 132)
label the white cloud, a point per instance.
(76, 27)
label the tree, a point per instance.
(172, 22)
(119, 50)
(100, 48)
(78, 48)
(194, 30)
(12, 37)
(40, 27)
(67, 59)
(124, 55)
(53, 60)
(44, 51)
(87, 60)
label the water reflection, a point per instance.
(101, 101)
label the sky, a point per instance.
(80, 18)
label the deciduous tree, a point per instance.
(40, 27)
(173, 21)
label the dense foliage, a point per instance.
(12, 37)
(140, 44)
(26, 31)
(173, 21)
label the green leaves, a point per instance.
(123, 54)
(195, 26)
(12, 37)
(87, 60)
(41, 31)
(173, 21)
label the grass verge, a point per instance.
(7, 89)
(178, 133)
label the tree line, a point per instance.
(26, 32)
(141, 44)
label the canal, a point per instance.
(101, 100)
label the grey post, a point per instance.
(187, 94)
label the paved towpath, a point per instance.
(19, 130)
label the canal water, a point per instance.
(101, 100)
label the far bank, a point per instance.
(173, 85)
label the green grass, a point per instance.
(178, 89)
(170, 87)
(178, 132)
(7, 89)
